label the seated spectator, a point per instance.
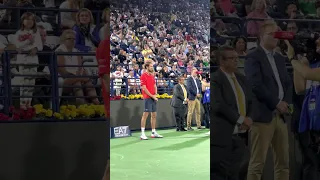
(147, 53)
(292, 11)
(162, 84)
(227, 7)
(87, 34)
(133, 85)
(27, 39)
(240, 45)
(87, 38)
(68, 19)
(118, 75)
(84, 85)
(258, 11)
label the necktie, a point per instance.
(184, 91)
(240, 97)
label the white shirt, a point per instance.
(241, 118)
(275, 72)
(69, 60)
(194, 79)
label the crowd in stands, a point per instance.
(35, 36)
(172, 35)
(242, 19)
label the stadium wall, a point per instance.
(54, 150)
(129, 112)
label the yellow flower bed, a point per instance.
(71, 111)
(139, 96)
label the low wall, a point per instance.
(129, 112)
(54, 150)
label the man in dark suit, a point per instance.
(179, 103)
(266, 71)
(194, 94)
(231, 111)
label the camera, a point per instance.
(304, 44)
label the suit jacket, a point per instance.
(264, 85)
(224, 108)
(192, 88)
(178, 96)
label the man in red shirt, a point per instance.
(149, 91)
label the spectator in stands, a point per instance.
(87, 38)
(227, 7)
(162, 84)
(87, 34)
(132, 83)
(105, 19)
(259, 10)
(147, 53)
(240, 45)
(118, 76)
(68, 19)
(292, 11)
(27, 39)
(84, 85)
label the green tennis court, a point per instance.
(179, 155)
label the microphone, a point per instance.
(286, 35)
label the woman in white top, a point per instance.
(84, 85)
(68, 19)
(27, 38)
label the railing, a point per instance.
(242, 23)
(122, 84)
(117, 86)
(16, 11)
(56, 84)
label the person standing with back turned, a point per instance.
(149, 91)
(231, 115)
(266, 71)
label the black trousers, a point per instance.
(227, 162)
(179, 115)
(206, 115)
(310, 164)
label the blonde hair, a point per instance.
(65, 33)
(26, 15)
(81, 11)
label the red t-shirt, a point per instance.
(149, 81)
(103, 58)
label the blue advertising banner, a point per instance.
(120, 131)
